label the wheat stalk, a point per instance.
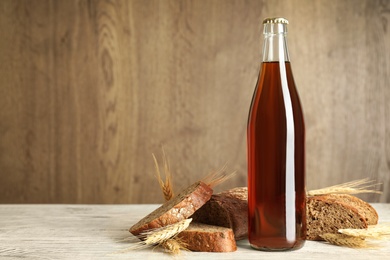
(352, 187)
(375, 232)
(166, 187)
(344, 240)
(217, 177)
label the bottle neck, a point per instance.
(275, 43)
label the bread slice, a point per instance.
(364, 208)
(329, 213)
(208, 238)
(178, 208)
(227, 209)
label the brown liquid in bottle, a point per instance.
(276, 184)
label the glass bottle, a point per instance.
(276, 150)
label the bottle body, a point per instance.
(276, 160)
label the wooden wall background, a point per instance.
(90, 89)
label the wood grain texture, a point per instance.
(90, 89)
(101, 232)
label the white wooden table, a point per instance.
(96, 231)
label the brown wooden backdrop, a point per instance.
(90, 89)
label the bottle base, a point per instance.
(278, 249)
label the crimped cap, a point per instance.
(275, 20)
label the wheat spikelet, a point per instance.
(157, 236)
(166, 186)
(352, 187)
(217, 177)
(379, 231)
(173, 245)
(344, 240)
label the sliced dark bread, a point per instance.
(178, 208)
(364, 208)
(227, 209)
(324, 214)
(207, 238)
(329, 213)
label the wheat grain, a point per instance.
(173, 245)
(344, 240)
(352, 187)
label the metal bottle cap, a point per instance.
(275, 20)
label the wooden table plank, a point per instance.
(96, 231)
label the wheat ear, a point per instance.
(352, 187)
(157, 236)
(379, 231)
(166, 187)
(344, 240)
(217, 177)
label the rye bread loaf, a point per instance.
(178, 208)
(329, 213)
(227, 209)
(207, 238)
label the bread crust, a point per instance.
(238, 193)
(178, 208)
(207, 238)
